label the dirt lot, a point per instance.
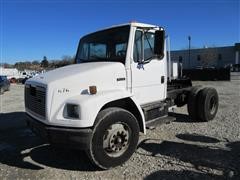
(179, 150)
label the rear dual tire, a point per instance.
(203, 104)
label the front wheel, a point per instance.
(115, 138)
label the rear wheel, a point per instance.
(192, 104)
(203, 104)
(115, 138)
(208, 104)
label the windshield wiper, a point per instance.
(80, 60)
(96, 58)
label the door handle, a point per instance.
(162, 79)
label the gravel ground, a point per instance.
(179, 150)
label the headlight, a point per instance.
(73, 111)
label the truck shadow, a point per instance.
(183, 118)
(197, 138)
(173, 175)
(19, 147)
(199, 156)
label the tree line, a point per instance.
(41, 65)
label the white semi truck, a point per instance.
(120, 84)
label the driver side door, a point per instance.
(149, 78)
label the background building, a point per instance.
(217, 57)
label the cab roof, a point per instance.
(136, 24)
(133, 24)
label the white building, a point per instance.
(218, 57)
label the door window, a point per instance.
(143, 41)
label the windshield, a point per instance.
(106, 45)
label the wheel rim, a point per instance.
(213, 105)
(116, 139)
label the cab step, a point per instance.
(152, 124)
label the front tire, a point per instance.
(1, 91)
(115, 138)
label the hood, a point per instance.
(103, 74)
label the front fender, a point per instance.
(90, 105)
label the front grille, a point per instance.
(35, 99)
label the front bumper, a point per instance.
(77, 138)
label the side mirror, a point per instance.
(159, 42)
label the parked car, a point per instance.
(13, 80)
(25, 79)
(4, 84)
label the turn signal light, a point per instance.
(93, 89)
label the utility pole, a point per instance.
(189, 47)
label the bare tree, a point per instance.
(35, 62)
(44, 62)
(209, 55)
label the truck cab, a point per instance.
(119, 85)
